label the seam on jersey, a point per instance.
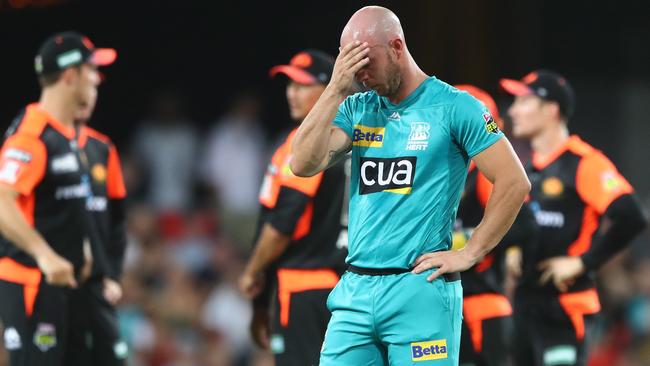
(373, 307)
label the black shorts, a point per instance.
(494, 347)
(34, 334)
(486, 331)
(299, 324)
(545, 334)
(94, 334)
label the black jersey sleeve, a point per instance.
(626, 221)
(288, 210)
(117, 245)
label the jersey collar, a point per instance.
(68, 132)
(541, 162)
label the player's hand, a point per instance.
(87, 269)
(259, 328)
(561, 270)
(446, 262)
(352, 58)
(58, 271)
(112, 291)
(251, 284)
(514, 262)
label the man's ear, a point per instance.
(70, 75)
(397, 46)
(552, 109)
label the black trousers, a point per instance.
(299, 342)
(39, 338)
(65, 327)
(495, 343)
(545, 335)
(94, 337)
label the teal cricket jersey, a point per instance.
(409, 164)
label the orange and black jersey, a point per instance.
(487, 276)
(310, 210)
(106, 202)
(572, 190)
(41, 160)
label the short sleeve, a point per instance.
(306, 185)
(114, 181)
(23, 162)
(343, 118)
(599, 183)
(472, 126)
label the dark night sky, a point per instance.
(208, 50)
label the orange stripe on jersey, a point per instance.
(291, 281)
(590, 222)
(485, 264)
(36, 118)
(34, 121)
(579, 304)
(279, 174)
(306, 185)
(115, 188)
(477, 308)
(90, 132)
(270, 189)
(26, 205)
(303, 226)
(29, 277)
(599, 183)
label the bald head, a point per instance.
(372, 24)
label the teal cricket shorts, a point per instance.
(396, 320)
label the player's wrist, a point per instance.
(471, 254)
(336, 91)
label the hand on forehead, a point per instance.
(372, 24)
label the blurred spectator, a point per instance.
(226, 312)
(232, 164)
(164, 152)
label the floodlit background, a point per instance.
(195, 118)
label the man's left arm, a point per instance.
(116, 194)
(474, 130)
(609, 194)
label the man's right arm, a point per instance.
(317, 144)
(15, 228)
(22, 166)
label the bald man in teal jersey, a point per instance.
(412, 137)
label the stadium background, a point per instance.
(190, 94)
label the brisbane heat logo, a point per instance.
(393, 175)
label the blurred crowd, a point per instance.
(192, 218)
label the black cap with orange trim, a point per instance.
(545, 84)
(307, 67)
(68, 49)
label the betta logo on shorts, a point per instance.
(393, 175)
(430, 350)
(368, 136)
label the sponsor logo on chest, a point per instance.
(393, 175)
(66, 163)
(368, 136)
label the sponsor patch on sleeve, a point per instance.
(490, 124)
(18, 155)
